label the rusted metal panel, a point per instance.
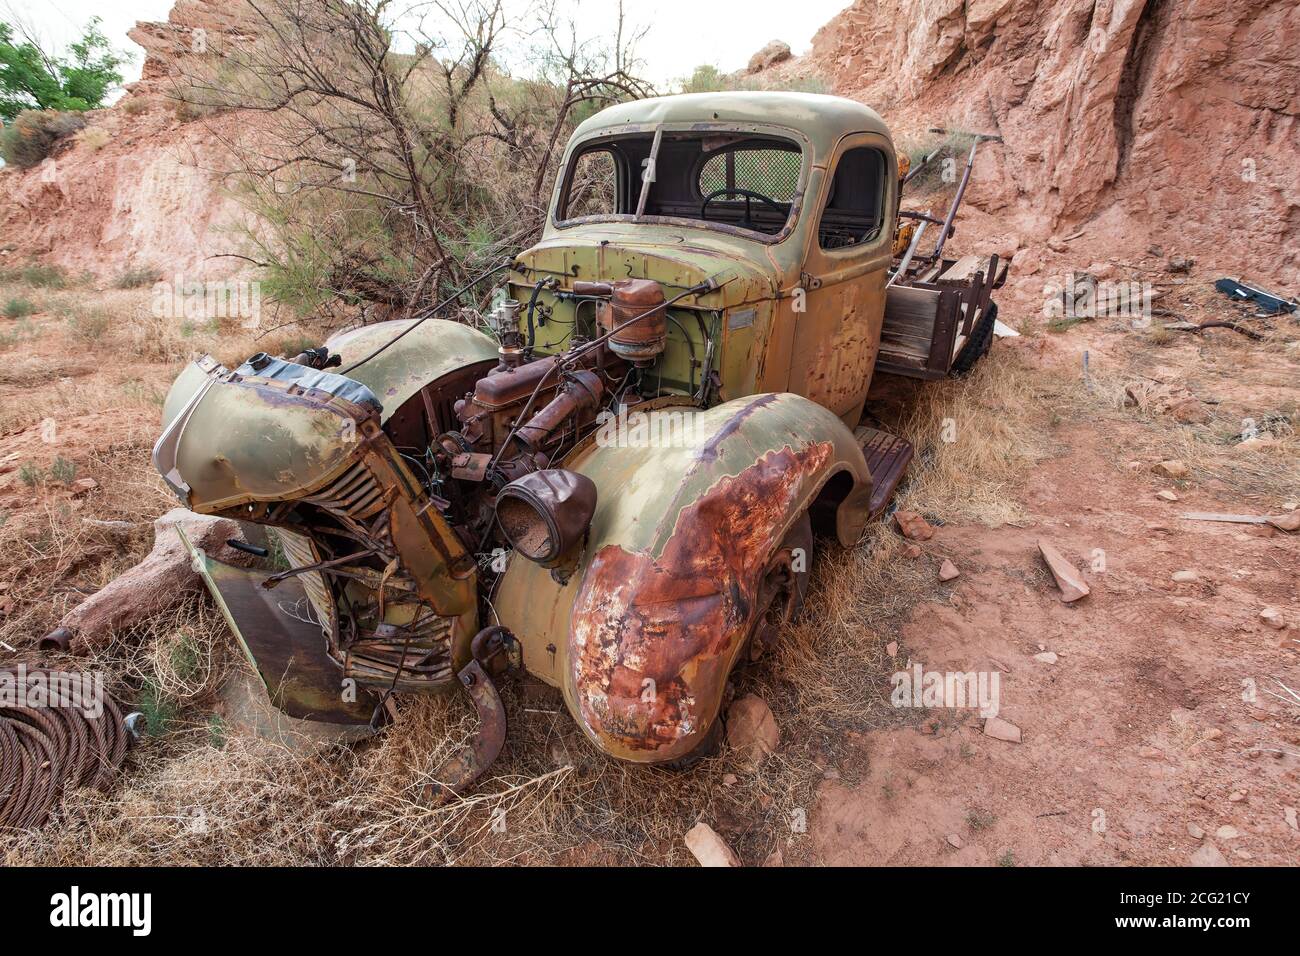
(666, 587)
(275, 629)
(652, 638)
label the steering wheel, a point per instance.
(749, 194)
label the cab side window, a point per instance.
(854, 211)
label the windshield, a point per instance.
(726, 180)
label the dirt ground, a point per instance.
(1144, 725)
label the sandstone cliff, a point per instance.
(1168, 121)
(143, 187)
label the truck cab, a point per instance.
(788, 200)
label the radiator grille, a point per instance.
(407, 657)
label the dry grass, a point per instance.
(201, 792)
(1243, 383)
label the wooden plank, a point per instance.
(1229, 518)
(963, 268)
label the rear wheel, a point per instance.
(977, 346)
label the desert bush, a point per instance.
(409, 171)
(949, 155)
(707, 78)
(95, 138)
(90, 324)
(135, 105)
(18, 308)
(45, 277)
(137, 276)
(31, 137)
(63, 470)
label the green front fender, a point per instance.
(430, 350)
(642, 635)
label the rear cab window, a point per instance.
(854, 211)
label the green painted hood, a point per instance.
(677, 258)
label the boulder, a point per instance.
(773, 53)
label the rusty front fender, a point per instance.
(642, 634)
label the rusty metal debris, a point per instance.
(64, 740)
(493, 650)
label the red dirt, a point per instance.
(1139, 728)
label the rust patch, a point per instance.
(651, 640)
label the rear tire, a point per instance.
(981, 340)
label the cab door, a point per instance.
(837, 335)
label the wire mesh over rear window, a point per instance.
(772, 172)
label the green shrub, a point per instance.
(46, 277)
(18, 308)
(31, 475)
(137, 276)
(31, 136)
(63, 470)
(22, 331)
(159, 711)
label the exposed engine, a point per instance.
(396, 545)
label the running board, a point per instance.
(887, 458)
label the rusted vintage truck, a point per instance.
(614, 481)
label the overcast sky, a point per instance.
(683, 33)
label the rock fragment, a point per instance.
(1207, 854)
(751, 728)
(1068, 579)
(1000, 729)
(708, 848)
(1273, 618)
(913, 526)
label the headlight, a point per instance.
(546, 513)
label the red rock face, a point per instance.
(1169, 121)
(192, 28)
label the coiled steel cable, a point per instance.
(48, 748)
